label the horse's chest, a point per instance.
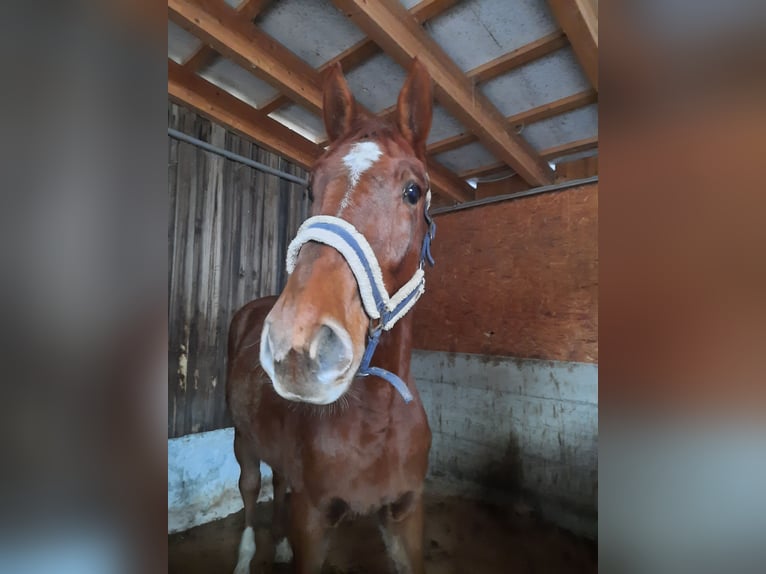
(364, 466)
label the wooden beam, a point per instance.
(484, 171)
(399, 34)
(205, 55)
(209, 100)
(501, 186)
(444, 181)
(579, 20)
(450, 143)
(270, 60)
(518, 57)
(577, 168)
(570, 148)
(428, 9)
(548, 154)
(545, 111)
(219, 25)
(555, 108)
(349, 59)
(364, 49)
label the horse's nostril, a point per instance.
(331, 352)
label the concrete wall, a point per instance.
(203, 478)
(514, 430)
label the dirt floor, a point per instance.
(461, 537)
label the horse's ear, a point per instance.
(414, 108)
(338, 103)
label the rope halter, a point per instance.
(378, 305)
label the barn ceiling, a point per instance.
(516, 80)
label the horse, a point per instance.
(347, 437)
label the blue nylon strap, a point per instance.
(350, 240)
(369, 351)
(366, 370)
(425, 251)
(395, 381)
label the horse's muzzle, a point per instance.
(315, 370)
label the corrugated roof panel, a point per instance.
(300, 120)
(466, 157)
(476, 31)
(181, 44)
(443, 125)
(239, 82)
(377, 83)
(314, 31)
(554, 76)
(572, 126)
(472, 33)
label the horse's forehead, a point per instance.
(359, 156)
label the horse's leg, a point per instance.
(308, 534)
(283, 551)
(249, 488)
(401, 524)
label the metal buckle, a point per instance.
(374, 329)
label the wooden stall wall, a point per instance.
(228, 233)
(517, 278)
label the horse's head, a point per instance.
(373, 178)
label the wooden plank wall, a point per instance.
(228, 233)
(517, 278)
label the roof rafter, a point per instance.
(501, 65)
(518, 57)
(579, 20)
(545, 111)
(568, 148)
(364, 49)
(256, 51)
(584, 144)
(219, 26)
(208, 99)
(399, 34)
(205, 55)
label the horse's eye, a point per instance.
(412, 193)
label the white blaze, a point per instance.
(359, 159)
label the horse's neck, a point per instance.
(393, 354)
(395, 349)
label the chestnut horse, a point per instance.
(347, 438)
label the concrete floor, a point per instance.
(461, 537)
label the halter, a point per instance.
(355, 249)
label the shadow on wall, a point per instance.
(522, 432)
